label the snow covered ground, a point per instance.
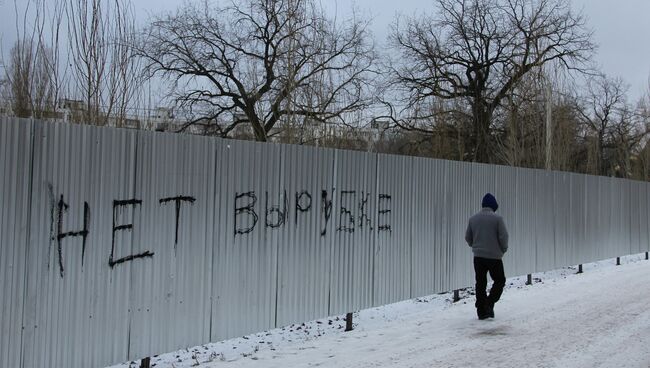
(600, 318)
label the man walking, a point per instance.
(487, 236)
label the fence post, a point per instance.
(580, 268)
(529, 280)
(348, 322)
(145, 362)
(618, 261)
(646, 256)
(456, 295)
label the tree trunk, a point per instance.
(600, 161)
(258, 128)
(482, 117)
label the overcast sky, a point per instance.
(621, 28)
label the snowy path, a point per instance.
(597, 319)
(600, 318)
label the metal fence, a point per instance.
(120, 244)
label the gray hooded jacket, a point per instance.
(487, 235)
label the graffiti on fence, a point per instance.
(353, 215)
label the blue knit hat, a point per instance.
(490, 201)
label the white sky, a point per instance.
(621, 29)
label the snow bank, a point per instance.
(598, 318)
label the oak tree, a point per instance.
(257, 63)
(477, 51)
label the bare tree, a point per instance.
(32, 87)
(536, 126)
(629, 133)
(566, 143)
(125, 76)
(50, 33)
(602, 109)
(519, 137)
(19, 74)
(105, 72)
(478, 50)
(642, 164)
(99, 67)
(258, 63)
(4, 92)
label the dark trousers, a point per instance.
(495, 267)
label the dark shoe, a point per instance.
(489, 310)
(481, 312)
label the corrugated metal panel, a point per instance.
(15, 166)
(543, 214)
(351, 273)
(76, 311)
(391, 224)
(624, 188)
(609, 212)
(612, 215)
(175, 221)
(593, 217)
(562, 222)
(645, 219)
(634, 200)
(246, 236)
(619, 237)
(467, 184)
(305, 241)
(520, 255)
(629, 223)
(578, 223)
(640, 199)
(429, 225)
(245, 265)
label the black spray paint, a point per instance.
(303, 203)
(118, 204)
(62, 208)
(178, 201)
(326, 210)
(346, 219)
(384, 199)
(248, 209)
(280, 213)
(53, 220)
(363, 211)
(275, 217)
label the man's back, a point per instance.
(487, 235)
